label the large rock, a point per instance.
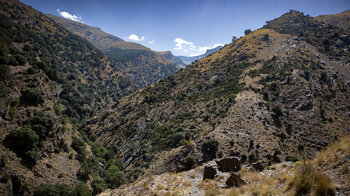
(210, 172)
(235, 180)
(229, 164)
(258, 166)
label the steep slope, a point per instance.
(139, 63)
(50, 81)
(257, 98)
(278, 179)
(190, 59)
(341, 20)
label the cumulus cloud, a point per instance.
(188, 48)
(151, 42)
(181, 43)
(69, 16)
(135, 37)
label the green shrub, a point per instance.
(98, 185)
(54, 190)
(178, 137)
(209, 148)
(12, 112)
(3, 162)
(81, 189)
(247, 31)
(4, 90)
(20, 59)
(190, 162)
(31, 96)
(292, 158)
(58, 109)
(79, 146)
(4, 60)
(12, 60)
(30, 70)
(115, 177)
(4, 71)
(42, 124)
(24, 142)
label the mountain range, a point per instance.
(83, 112)
(188, 60)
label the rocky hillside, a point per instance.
(50, 81)
(100, 39)
(139, 63)
(330, 171)
(341, 20)
(257, 98)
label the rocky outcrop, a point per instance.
(235, 180)
(229, 164)
(258, 166)
(210, 171)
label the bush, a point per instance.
(292, 158)
(247, 31)
(32, 96)
(115, 177)
(81, 189)
(22, 140)
(98, 185)
(4, 71)
(4, 90)
(20, 59)
(190, 162)
(178, 137)
(42, 124)
(209, 148)
(4, 60)
(54, 190)
(79, 146)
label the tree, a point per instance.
(209, 148)
(247, 31)
(115, 177)
(32, 96)
(234, 38)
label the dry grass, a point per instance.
(329, 155)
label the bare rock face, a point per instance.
(210, 171)
(235, 180)
(229, 164)
(258, 166)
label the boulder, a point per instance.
(210, 172)
(258, 166)
(235, 180)
(229, 164)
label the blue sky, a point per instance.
(185, 27)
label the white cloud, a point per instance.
(181, 43)
(135, 37)
(188, 48)
(151, 42)
(69, 16)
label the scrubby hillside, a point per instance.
(50, 81)
(330, 174)
(143, 66)
(258, 98)
(341, 20)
